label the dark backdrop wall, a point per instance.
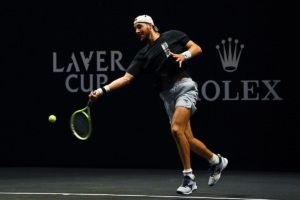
(54, 53)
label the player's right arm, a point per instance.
(114, 85)
(132, 71)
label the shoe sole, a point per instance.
(187, 193)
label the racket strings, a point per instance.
(81, 124)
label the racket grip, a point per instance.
(89, 103)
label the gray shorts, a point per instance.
(184, 93)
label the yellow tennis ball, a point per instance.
(52, 118)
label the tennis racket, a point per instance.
(81, 123)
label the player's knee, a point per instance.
(176, 130)
(190, 139)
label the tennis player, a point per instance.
(166, 55)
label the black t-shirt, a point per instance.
(155, 57)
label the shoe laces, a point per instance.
(215, 169)
(186, 181)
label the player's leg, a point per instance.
(179, 122)
(196, 145)
(217, 162)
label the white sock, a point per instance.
(187, 171)
(214, 160)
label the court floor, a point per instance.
(17, 183)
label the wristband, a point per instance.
(107, 88)
(100, 91)
(187, 55)
(103, 90)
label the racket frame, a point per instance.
(86, 112)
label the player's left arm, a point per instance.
(193, 50)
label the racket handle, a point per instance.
(89, 103)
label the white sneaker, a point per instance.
(188, 185)
(216, 170)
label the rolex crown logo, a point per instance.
(229, 59)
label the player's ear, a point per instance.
(150, 26)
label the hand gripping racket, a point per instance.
(81, 123)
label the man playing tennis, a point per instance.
(165, 55)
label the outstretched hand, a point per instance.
(178, 57)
